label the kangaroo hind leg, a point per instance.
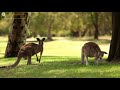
(82, 58)
(29, 60)
(87, 63)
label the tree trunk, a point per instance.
(89, 32)
(96, 33)
(114, 52)
(49, 37)
(18, 34)
(95, 19)
(84, 32)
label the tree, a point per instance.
(78, 24)
(114, 52)
(18, 33)
(43, 23)
(95, 19)
(49, 22)
(105, 23)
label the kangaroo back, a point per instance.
(90, 49)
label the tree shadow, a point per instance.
(51, 69)
(34, 41)
(3, 41)
(100, 41)
(63, 65)
(2, 53)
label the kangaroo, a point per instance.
(36, 54)
(27, 51)
(91, 49)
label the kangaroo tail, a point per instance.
(13, 65)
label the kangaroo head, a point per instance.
(40, 41)
(101, 54)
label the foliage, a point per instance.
(63, 23)
(5, 23)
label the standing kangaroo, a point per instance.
(91, 49)
(27, 51)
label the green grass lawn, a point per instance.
(60, 59)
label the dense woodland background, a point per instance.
(72, 24)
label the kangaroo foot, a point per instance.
(39, 60)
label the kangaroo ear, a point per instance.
(104, 52)
(38, 39)
(43, 39)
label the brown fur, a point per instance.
(27, 51)
(91, 49)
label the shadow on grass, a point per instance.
(34, 41)
(100, 41)
(2, 59)
(3, 41)
(58, 67)
(2, 53)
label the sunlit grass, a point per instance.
(60, 59)
(71, 47)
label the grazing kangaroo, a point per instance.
(27, 51)
(91, 49)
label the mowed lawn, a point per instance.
(60, 59)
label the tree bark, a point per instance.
(95, 19)
(49, 36)
(96, 33)
(114, 52)
(18, 34)
(84, 32)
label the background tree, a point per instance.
(44, 21)
(114, 52)
(105, 23)
(18, 33)
(94, 16)
(69, 24)
(49, 21)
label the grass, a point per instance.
(60, 59)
